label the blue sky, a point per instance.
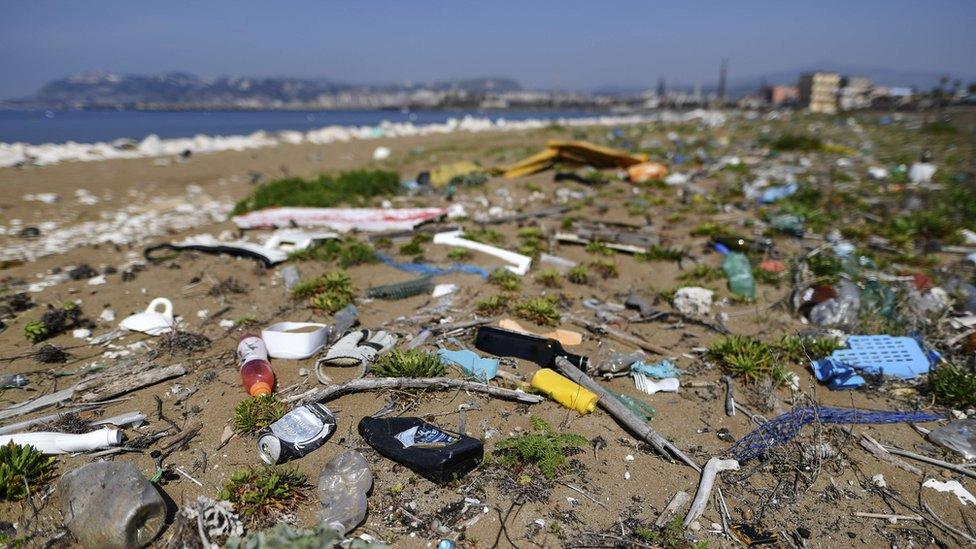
(559, 44)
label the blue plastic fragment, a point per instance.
(899, 357)
(469, 361)
(721, 248)
(772, 194)
(659, 370)
(426, 269)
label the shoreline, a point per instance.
(19, 154)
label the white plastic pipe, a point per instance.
(519, 263)
(64, 443)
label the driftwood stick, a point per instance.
(712, 468)
(623, 414)
(948, 526)
(433, 383)
(124, 384)
(729, 396)
(890, 518)
(621, 337)
(931, 461)
(875, 448)
(677, 502)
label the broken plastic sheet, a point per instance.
(373, 220)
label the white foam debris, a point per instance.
(133, 224)
(13, 154)
(47, 198)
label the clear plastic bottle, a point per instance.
(739, 273)
(256, 372)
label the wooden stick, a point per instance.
(948, 526)
(122, 384)
(677, 502)
(712, 469)
(879, 452)
(931, 461)
(623, 414)
(890, 518)
(433, 383)
(621, 336)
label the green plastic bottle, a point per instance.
(738, 271)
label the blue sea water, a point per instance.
(36, 127)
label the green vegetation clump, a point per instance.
(459, 254)
(599, 248)
(532, 241)
(504, 279)
(660, 253)
(754, 360)
(550, 278)
(541, 310)
(606, 267)
(257, 412)
(492, 306)
(349, 253)
(54, 321)
(262, 496)
(408, 363)
(701, 273)
(542, 447)
(796, 142)
(485, 236)
(354, 187)
(23, 469)
(953, 385)
(35, 331)
(579, 275)
(328, 293)
(708, 229)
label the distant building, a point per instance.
(855, 93)
(818, 91)
(778, 96)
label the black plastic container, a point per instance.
(436, 454)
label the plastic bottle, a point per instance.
(342, 489)
(739, 273)
(256, 372)
(564, 391)
(65, 443)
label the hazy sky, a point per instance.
(557, 44)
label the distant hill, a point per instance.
(177, 88)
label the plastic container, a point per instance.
(433, 453)
(111, 505)
(256, 372)
(342, 488)
(294, 340)
(564, 391)
(738, 271)
(65, 443)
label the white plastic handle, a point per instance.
(167, 306)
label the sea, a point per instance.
(90, 126)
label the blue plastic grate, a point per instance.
(881, 354)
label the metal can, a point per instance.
(297, 433)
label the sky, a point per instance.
(562, 44)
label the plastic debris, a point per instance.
(883, 355)
(340, 219)
(564, 391)
(401, 290)
(480, 368)
(781, 429)
(111, 505)
(693, 300)
(519, 263)
(958, 436)
(659, 370)
(342, 488)
(965, 496)
(151, 321)
(438, 455)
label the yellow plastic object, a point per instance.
(442, 175)
(564, 391)
(572, 152)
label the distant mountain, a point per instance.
(177, 88)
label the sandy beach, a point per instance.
(106, 212)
